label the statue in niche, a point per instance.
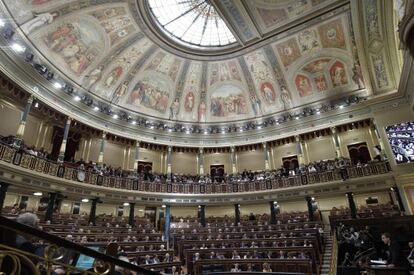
(256, 104)
(174, 108)
(202, 111)
(120, 92)
(189, 102)
(94, 76)
(285, 98)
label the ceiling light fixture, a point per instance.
(18, 48)
(37, 105)
(85, 200)
(126, 203)
(341, 106)
(133, 122)
(96, 108)
(77, 98)
(38, 194)
(115, 116)
(57, 85)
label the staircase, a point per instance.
(327, 255)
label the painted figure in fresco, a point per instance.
(232, 104)
(380, 72)
(285, 98)
(338, 74)
(357, 75)
(256, 104)
(120, 92)
(39, 20)
(189, 102)
(321, 83)
(202, 111)
(308, 40)
(94, 76)
(268, 92)
(303, 85)
(224, 72)
(114, 76)
(174, 109)
(150, 94)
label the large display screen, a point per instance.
(401, 139)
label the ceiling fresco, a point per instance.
(100, 46)
(292, 59)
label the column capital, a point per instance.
(232, 149)
(264, 143)
(69, 120)
(333, 130)
(103, 134)
(137, 143)
(201, 150)
(297, 138)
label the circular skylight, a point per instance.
(193, 22)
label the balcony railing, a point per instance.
(40, 165)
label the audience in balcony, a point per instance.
(340, 165)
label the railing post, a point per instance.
(3, 191)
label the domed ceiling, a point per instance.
(278, 55)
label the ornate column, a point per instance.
(406, 27)
(22, 125)
(92, 213)
(374, 129)
(236, 214)
(102, 148)
(202, 215)
(136, 158)
(337, 145)
(51, 206)
(131, 217)
(62, 150)
(299, 149)
(352, 206)
(233, 160)
(274, 210)
(169, 157)
(309, 202)
(3, 191)
(167, 222)
(396, 193)
(201, 161)
(266, 156)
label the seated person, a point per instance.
(267, 268)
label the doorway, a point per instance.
(217, 173)
(359, 153)
(290, 163)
